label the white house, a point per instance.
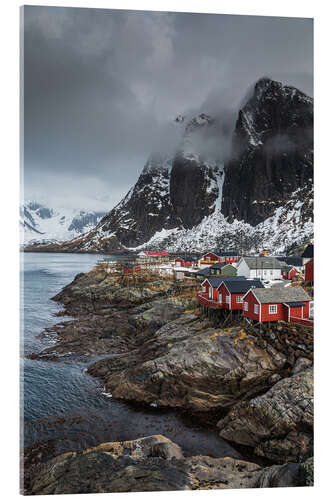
(267, 268)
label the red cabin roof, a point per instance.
(153, 252)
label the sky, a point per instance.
(103, 87)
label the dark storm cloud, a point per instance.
(101, 87)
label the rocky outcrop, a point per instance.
(153, 463)
(277, 424)
(97, 290)
(110, 317)
(272, 152)
(188, 365)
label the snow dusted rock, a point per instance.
(171, 192)
(146, 207)
(290, 225)
(272, 152)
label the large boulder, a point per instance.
(277, 424)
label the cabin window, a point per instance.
(227, 299)
(239, 299)
(210, 292)
(273, 309)
(256, 309)
(203, 289)
(246, 306)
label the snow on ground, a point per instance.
(286, 227)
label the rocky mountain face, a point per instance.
(172, 191)
(39, 223)
(146, 208)
(261, 193)
(272, 152)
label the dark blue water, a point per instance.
(60, 402)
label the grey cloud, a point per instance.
(102, 87)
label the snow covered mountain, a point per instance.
(258, 195)
(40, 224)
(272, 152)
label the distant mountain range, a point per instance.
(258, 195)
(41, 224)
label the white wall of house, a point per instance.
(266, 274)
(243, 269)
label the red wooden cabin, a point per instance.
(288, 272)
(215, 256)
(225, 292)
(309, 271)
(154, 253)
(209, 258)
(233, 292)
(184, 262)
(276, 304)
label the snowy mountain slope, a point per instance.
(173, 190)
(290, 225)
(192, 199)
(271, 154)
(39, 223)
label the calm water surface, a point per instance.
(60, 402)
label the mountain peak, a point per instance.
(199, 121)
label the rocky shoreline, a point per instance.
(154, 463)
(254, 384)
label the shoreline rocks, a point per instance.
(158, 351)
(154, 463)
(277, 424)
(190, 366)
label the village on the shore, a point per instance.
(228, 285)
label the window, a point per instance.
(273, 309)
(227, 299)
(246, 306)
(203, 289)
(256, 309)
(239, 299)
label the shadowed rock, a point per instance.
(154, 463)
(278, 424)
